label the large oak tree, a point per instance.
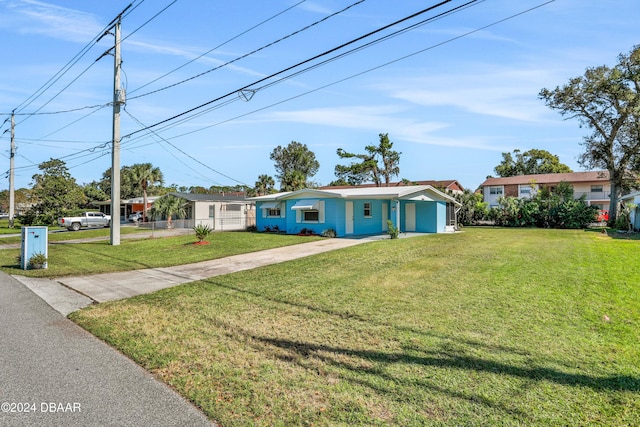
(532, 162)
(607, 101)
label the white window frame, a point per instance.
(300, 214)
(367, 208)
(496, 190)
(274, 212)
(310, 211)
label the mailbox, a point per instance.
(34, 241)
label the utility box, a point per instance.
(34, 242)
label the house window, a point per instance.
(367, 210)
(212, 211)
(273, 212)
(596, 189)
(495, 190)
(310, 215)
(526, 191)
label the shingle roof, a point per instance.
(446, 183)
(550, 178)
(195, 197)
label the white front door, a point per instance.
(410, 217)
(348, 220)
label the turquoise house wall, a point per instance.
(367, 225)
(261, 222)
(430, 217)
(441, 217)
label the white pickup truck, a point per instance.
(88, 219)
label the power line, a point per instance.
(379, 40)
(252, 52)
(92, 150)
(56, 112)
(65, 69)
(125, 12)
(369, 70)
(186, 154)
(430, 8)
(217, 47)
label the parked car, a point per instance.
(603, 216)
(88, 219)
(135, 217)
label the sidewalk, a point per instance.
(68, 294)
(54, 373)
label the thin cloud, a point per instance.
(504, 93)
(36, 17)
(395, 120)
(315, 8)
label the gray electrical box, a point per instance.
(34, 242)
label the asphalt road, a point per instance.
(53, 373)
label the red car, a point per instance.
(603, 216)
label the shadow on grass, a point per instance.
(86, 248)
(461, 362)
(615, 234)
(366, 320)
(445, 358)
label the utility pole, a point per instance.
(12, 195)
(118, 98)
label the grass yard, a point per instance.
(485, 327)
(131, 254)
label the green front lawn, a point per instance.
(100, 257)
(485, 327)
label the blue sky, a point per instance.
(452, 94)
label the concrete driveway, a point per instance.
(68, 294)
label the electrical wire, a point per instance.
(217, 47)
(105, 144)
(64, 70)
(369, 70)
(428, 9)
(185, 153)
(254, 51)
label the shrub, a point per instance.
(202, 231)
(252, 228)
(329, 233)
(37, 261)
(392, 230)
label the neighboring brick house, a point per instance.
(593, 185)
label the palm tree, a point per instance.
(264, 185)
(169, 206)
(145, 175)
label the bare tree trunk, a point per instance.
(613, 200)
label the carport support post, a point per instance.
(398, 214)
